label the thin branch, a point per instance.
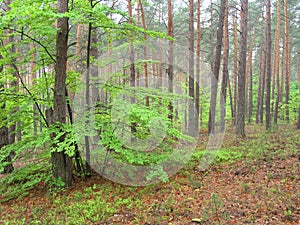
(34, 40)
(28, 91)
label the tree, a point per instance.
(225, 76)
(276, 62)
(197, 94)
(286, 58)
(240, 122)
(61, 161)
(171, 56)
(4, 134)
(268, 64)
(131, 49)
(216, 70)
(235, 65)
(191, 92)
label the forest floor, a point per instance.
(255, 180)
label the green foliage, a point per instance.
(21, 181)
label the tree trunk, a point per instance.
(235, 66)
(276, 63)
(4, 133)
(171, 56)
(268, 65)
(216, 70)
(12, 129)
(191, 111)
(197, 94)
(131, 51)
(62, 163)
(287, 60)
(240, 126)
(225, 71)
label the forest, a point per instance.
(150, 112)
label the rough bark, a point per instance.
(216, 70)
(171, 56)
(4, 135)
(235, 66)
(131, 50)
(191, 92)
(287, 60)
(225, 76)
(62, 163)
(268, 64)
(240, 122)
(276, 63)
(197, 94)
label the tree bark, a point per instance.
(225, 76)
(62, 163)
(197, 94)
(4, 134)
(287, 61)
(268, 64)
(235, 67)
(171, 56)
(131, 51)
(276, 62)
(191, 92)
(216, 70)
(240, 125)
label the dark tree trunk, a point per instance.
(216, 70)
(62, 163)
(171, 56)
(4, 135)
(240, 125)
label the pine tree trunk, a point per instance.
(191, 111)
(216, 70)
(197, 94)
(276, 63)
(225, 70)
(240, 125)
(235, 67)
(171, 56)
(268, 64)
(287, 61)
